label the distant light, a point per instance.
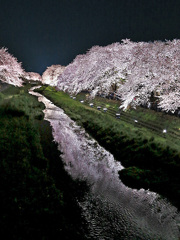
(135, 121)
(164, 131)
(117, 115)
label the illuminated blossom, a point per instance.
(10, 69)
(134, 71)
(50, 76)
(32, 76)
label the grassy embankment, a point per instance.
(151, 158)
(37, 196)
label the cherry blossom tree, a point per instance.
(51, 74)
(10, 69)
(157, 68)
(137, 70)
(32, 76)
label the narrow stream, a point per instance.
(112, 210)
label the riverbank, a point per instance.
(3, 86)
(38, 197)
(151, 159)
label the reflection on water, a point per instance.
(112, 210)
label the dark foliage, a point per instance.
(38, 198)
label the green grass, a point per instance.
(152, 123)
(160, 121)
(38, 198)
(152, 160)
(18, 100)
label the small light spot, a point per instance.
(118, 115)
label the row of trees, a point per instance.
(10, 69)
(134, 70)
(32, 76)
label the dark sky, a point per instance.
(41, 33)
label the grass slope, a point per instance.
(38, 198)
(151, 158)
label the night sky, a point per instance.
(42, 33)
